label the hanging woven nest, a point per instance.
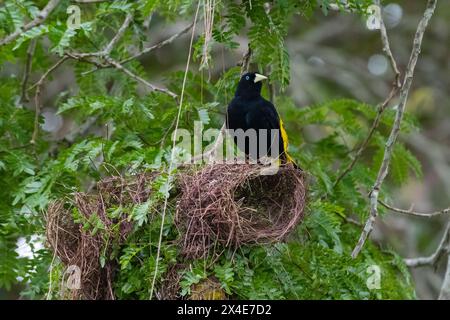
(234, 204)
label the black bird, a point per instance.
(249, 110)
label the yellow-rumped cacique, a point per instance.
(249, 110)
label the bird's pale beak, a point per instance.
(259, 77)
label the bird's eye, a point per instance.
(247, 78)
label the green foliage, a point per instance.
(119, 129)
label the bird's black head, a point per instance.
(250, 85)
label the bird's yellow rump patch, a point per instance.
(284, 136)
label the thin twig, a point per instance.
(351, 221)
(147, 50)
(113, 63)
(380, 110)
(40, 18)
(37, 98)
(431, 260)
(387, 47)
(106, 61)
(382, 107)
(118, 35)
(120, 67)
(26, 75)
(445, 288)
(158, 45)
(415, 213)
(108, 48)
(85, 57)
(404, 91)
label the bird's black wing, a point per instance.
(262, 115)
(273, 120)
(270, 114)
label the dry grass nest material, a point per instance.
(236, 205)
(82, 248)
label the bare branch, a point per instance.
(118, 35)
(75, 56)
(149, 49)
(102, 59)
(108, 48)
(158, 45)
(362, 147)
(387, 48)
(445, 288)
(26, 74)
(380, 110)
(37, 97)
(40, 18)
(431, 260)
(110, 62)
(415, 213)
(86, 57)
(120, 67)
(352, 221)
(404, 91)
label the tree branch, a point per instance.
(415, 213)
(442, 248)
(158, 45)
(118, 35)
(147, 50)
(387, 48)
(40, 18)
(26, 74)
(404, 91)
(120, 67)
(380, 110)
(106, 61)
(37, 98)
(445, 288)
(110, 62)
(374, 126)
